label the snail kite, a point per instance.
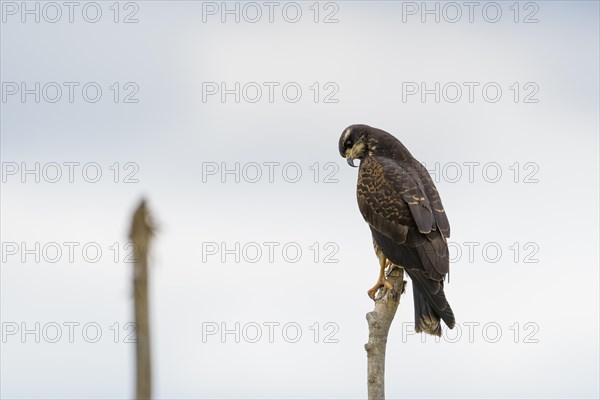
(399, 201)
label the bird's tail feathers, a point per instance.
(430, 304)
(426, 319)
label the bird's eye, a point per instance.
(348, 143)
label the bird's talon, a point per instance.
(380, 283)
(389, 269)
(372, 293)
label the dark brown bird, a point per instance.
(402, 206)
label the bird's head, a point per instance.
(354, 143)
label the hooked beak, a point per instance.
(350, 162)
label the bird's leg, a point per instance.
(381, 281)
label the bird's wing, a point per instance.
(380, 203)
(394, 201)
(441, 219)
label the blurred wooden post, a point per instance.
(140, 235)
(379, 321)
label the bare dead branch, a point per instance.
(140, 235)
(379, 321)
